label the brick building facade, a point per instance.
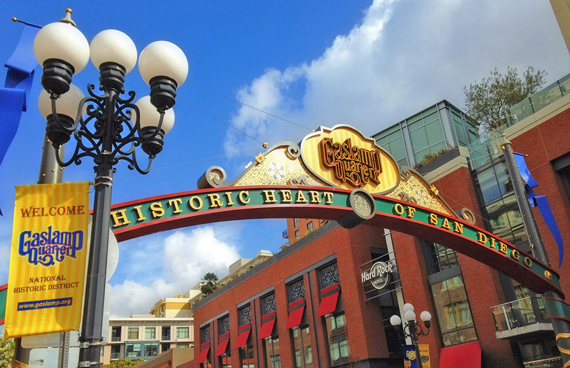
(307, 306)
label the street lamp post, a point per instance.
(108, 128)
(412, 328)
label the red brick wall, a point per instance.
(302, 227)
(364, 321)
(415, 285)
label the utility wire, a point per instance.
(219, 119)
(251, 107)
(207, 158)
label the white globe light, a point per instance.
(410, 316)
(150, 116)
(395, 320)
(425, 316)
(408, 307)
(67, 104)
(62, 41)
(113, 46)
(163, 58)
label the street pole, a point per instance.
(107, 128)
(50, 173)
(560, 326)
(412, 333)
(97, 268)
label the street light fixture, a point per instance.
(412, 328)
(105, 127)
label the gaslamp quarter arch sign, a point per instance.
(336, 174)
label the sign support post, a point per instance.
(561, 326)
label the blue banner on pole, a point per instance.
(542, 203)
(410, 357)
(17, 86)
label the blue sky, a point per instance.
(365, 63)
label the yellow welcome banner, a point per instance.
(47, 265)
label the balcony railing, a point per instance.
(519, 313)
(115, 355)
(539, 100)
(116, 338)
(488, 147)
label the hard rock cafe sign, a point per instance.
(378, 275)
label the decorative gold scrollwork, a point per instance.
(467, 215)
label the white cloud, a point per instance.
(184, 257)
(403, 57)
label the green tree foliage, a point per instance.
(489, 100)
(124, 363)
(6, 352)
(211, 283)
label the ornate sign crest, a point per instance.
(342, 157)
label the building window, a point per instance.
(183, 345)
(296, 222)
(165, 347)
(150, 333)
(337, 337)
(310, 226)
(426, 134)
(133, 350)
(272, 353)
(440, 258)
(297, 234)
(309, 355)
(453, 311)
(115, 352)
(165, 333)
(151, 349)
(225, 361)
(246, 356)
(302, 346)
(116, 334)
(133, 333)
(392, 141)
(182, 332)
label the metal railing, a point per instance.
(488, 146)
(519, 313)
(115, 355)
(539, 100)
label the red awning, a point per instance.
(203, 355)
(328, 303)
(267, 329)
(222, 344)
(465, 356)
(242, 339)
(295, 316)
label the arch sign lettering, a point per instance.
(336, 174)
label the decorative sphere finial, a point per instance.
(14, 19)
(67, 18)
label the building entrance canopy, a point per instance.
(335, 174)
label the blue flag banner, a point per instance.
(23, 59)
(542, 203)
(17, 86)
(410, 357)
